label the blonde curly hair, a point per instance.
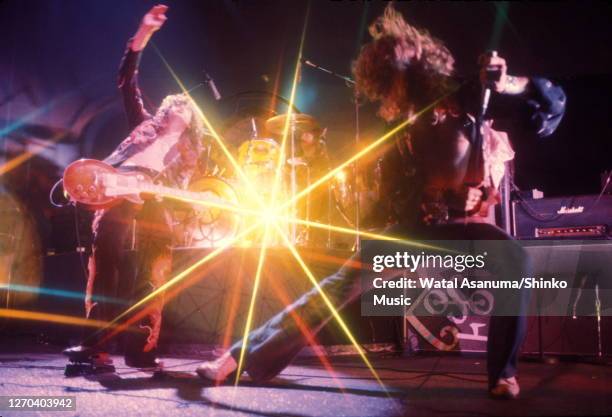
(403, 67)
(159, 121)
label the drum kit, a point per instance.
(305, 159)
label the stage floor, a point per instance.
(416, 386)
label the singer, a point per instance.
(438, 184)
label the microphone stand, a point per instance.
(356, 176)
(350, 82)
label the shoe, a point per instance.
(77, 350)
(143, 360)
(84, 360)
(81, 353)
(218, 370)
(506, 388)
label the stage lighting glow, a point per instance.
(332, 308)
(52, 318)
(249, 319)
(55, 292)
(182, 275)
(267, 218)
(365, 151)
(268, 213)
(247, 182)
(341, 176)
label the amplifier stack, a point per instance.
(574, 217)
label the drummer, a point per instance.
(313, 150)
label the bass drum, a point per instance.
(206, 227)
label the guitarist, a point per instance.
(166, 146)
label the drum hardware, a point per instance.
(356, 170)
(293, 208)
(297, 121)
(346, 192)
(349, 82)
(295, 163)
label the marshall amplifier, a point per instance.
(577, 217)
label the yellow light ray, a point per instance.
(25, 156)
(296, 75)
(362, 152)
(247, 182)
(331, 306)
(219, 250)
(215, 204)
(270, 215)
(353, 232)
(51, 318)
(270, 218)
(183, 274)
(276, 185)
(249, 320)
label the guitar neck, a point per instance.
(163, 191)
(122, 186)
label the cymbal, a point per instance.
(301, 121)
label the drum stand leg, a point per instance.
(293, 181)
(356, 178)
(329, 206)
(307, 231)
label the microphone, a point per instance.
(493, 75)
(211, 84)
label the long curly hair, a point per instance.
(403, 68)
(148, 130)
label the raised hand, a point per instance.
(502, 82)
(491, 63)
(150, 23)
(155, 18)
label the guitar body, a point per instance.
(87, 182)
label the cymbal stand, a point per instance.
(293, 226)
(349, 83)
(356, 177)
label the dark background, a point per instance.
(59, 60)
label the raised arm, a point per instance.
(128, 70)
(545, 101)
